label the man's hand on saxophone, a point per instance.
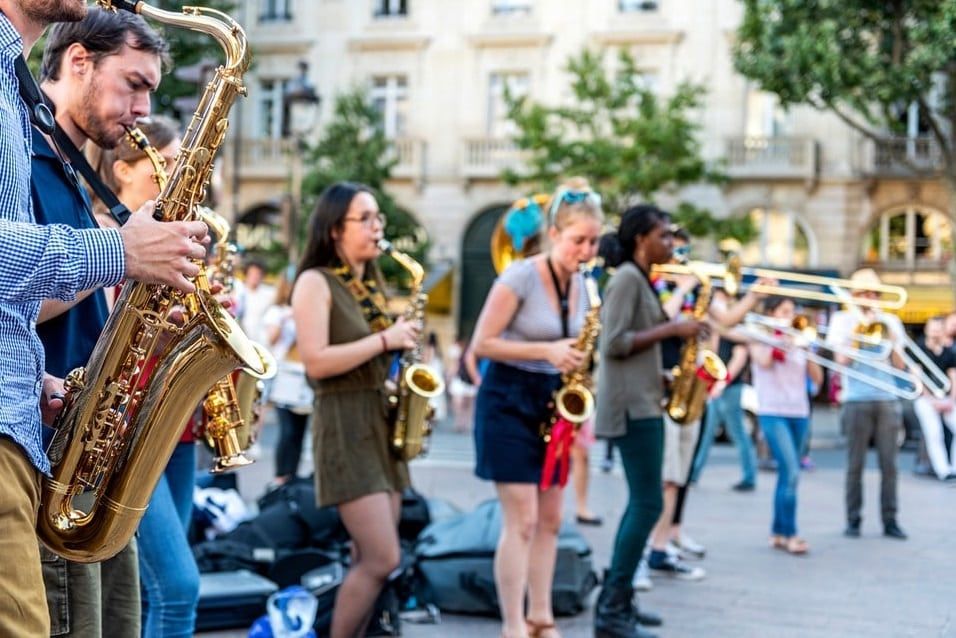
(162, 252)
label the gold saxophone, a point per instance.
(417, 382)
(697, 369)
(124, 412)
(574, 401)
(230, 407)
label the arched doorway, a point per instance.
(477, 273)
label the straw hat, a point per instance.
(866, 277)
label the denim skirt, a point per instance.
(511, 407)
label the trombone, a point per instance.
(760, 329)
(916, 360)
(729, 276)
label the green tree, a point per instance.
(630, 143)
(353, 147)
(866, 62)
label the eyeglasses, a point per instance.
(571, 196)
(368, 220)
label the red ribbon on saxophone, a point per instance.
(557, 454)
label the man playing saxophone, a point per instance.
(98, 74)
(346, 339)
(42, 262)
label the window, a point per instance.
(269, 107)
(912, 238)
(499, 126)
(275, 10)
(511, 7)
(765, 117)
(783, 241)
(629, 6)
(390, 98)
(391, 8)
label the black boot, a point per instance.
(616, 616)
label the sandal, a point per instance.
(797, 546)
(540, 629)
(778, 542)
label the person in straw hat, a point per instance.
(868, 412)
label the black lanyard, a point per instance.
(562, 299)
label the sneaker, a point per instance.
(688, 547)
(642, 579)
(662, 563)
(743, 486)
(673, 551)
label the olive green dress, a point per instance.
(349, 428)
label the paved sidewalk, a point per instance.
(872, 587)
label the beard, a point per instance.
(48, 11)
(103, 134)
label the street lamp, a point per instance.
(300, 106)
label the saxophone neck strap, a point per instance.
(41, 116)
(562, 294)
(368, 295)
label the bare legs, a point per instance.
(527, 549)
(371, 522)
(662, 530)
(580, 477)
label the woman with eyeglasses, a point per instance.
(527, 329)
(629, 395)
(346, 341)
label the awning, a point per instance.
(438, 285)
(926, 302)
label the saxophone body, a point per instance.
(697, 370)
(124, 412)
(574, 401)
(417, 382)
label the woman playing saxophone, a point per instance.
(528, 329)
(346, 339)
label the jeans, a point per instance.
(866, 420)
(168, 572)
(785, 435)
(289, 448)
(931, 423)
(726, 409)
(642, 452)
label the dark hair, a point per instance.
(682, 234)
(637, 221)
(770, 304)
(609, 249)
(103, 33)
(253, 263)
(328, 215)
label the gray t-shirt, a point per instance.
(536, 318)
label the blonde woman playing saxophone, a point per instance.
(528, 328)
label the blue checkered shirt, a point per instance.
(36, 263)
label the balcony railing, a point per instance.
(486, 157)
(409, 154)
(902, 156)
(772, 158)
(265, 155)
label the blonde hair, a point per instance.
(561, 211)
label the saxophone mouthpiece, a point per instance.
(385, 246)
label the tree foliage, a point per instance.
(353, 147)
(618, 133)
(867, 62)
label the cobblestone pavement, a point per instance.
(871, 587)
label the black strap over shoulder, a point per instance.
(562, 299)
(41, 116)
